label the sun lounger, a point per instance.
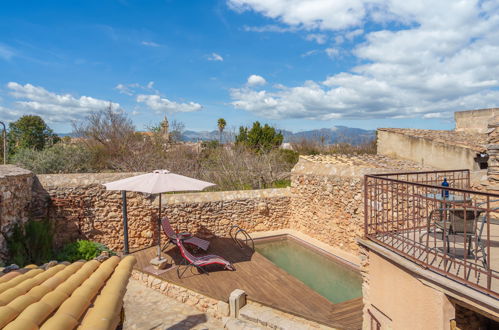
(187, 238)
(200, 262)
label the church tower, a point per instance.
(165, 129)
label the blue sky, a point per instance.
(296, 64)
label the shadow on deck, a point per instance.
(262, 281)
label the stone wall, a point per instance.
(474, 121)
(327, 195)
(213, 307)
(81, 208)
(15, 196)
(439, 149)
(327, 206)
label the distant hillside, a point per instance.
(336, 134)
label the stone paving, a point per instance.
(146, 308)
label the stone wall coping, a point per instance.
(474, 141)
(332, 165)
(81, 179)
(476, 111)
(12, 170)
(221, 196)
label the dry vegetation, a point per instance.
(314, 147)
(107, 141)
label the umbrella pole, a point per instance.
(125, 221)
(159, 228)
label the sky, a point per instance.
(295, 64)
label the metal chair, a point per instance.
(468, 222)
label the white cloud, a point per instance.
(255, 80)
(332, 52)
(319, 38)
(123, 89)
(161, 105)
(308, 14)
(310, 52)
(353, 34)
(439, 60)
(215, 57)
(6, 52)
(269, 28)
(51, 106)
(339, 39)
(8, 115)
(131, 89)
(150, 44)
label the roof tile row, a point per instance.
(88, 295)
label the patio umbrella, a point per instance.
(157, 182)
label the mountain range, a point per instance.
(335, 134)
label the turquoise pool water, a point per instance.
(327, 277)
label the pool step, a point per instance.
(268, 318)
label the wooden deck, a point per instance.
(262, 281)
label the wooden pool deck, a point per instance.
(263, 283)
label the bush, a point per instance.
(31, 243)
(81, 249)
(60, 158)
(313, 147)
(259, 138)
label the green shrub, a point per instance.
(31, 243)
(60, 158)
(289, 156)
(81, 249)
(283, 183)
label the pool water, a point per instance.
(330, 278)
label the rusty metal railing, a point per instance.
(453, 230)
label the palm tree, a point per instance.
(221, 126)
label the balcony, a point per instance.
(451, 231)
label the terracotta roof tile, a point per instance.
(88, 295)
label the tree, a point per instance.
(108, 134)
(221, 126)
(30, 132)
(258, 138)
(177, 131)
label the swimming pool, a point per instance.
(335, 281)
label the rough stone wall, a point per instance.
(81, 208)
(213, 307)
(327, 195)
(15, 197)
(328, 208)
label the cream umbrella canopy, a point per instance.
(157, 182)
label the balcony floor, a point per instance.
(456, 262)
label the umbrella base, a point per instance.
(159, 263)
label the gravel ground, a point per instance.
(146, 308)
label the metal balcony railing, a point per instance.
(453, 230)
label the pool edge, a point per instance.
(329, 254)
